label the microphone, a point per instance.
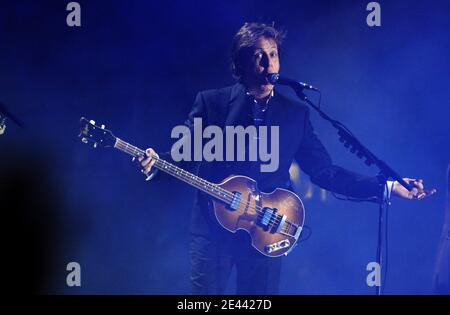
(275, 78)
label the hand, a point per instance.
(148, 162)
(418, 191)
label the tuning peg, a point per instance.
(95, 145)
(102, 126)
(84, 140)
(92, 121)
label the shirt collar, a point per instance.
(257, 103)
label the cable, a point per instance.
(305, 227)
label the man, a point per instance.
(253, 101)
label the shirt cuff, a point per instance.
(388, 190)
(152, 174)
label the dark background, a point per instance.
(136, 66)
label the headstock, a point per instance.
(97, 135)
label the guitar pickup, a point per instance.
(237, 196)
(267, 217)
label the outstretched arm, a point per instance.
(418, 192)
(316, 162)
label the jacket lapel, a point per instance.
(277, 113)
(239, 109)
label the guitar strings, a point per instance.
(175, 171)
(212, 188)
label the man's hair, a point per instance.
(246, 38)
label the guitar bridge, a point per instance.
(281, 224)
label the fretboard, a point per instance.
(177, 172)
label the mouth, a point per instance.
(264, 78)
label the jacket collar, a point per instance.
(236, 90)
(240, 110)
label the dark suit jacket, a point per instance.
(231, 106)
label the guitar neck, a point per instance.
(177, 172)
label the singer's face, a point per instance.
(261, 60)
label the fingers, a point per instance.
(415, 182)
(419, 192)
(418, 183)
(413, 193)
(150, 152)
(148, 167)
(148, 161)
(430, 192)
(425, 193)
(417, 188)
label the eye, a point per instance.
(273, 54)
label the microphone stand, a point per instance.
(356, 147)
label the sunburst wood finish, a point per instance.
(245, 216)
(273, 220)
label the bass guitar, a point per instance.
(273, 220)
